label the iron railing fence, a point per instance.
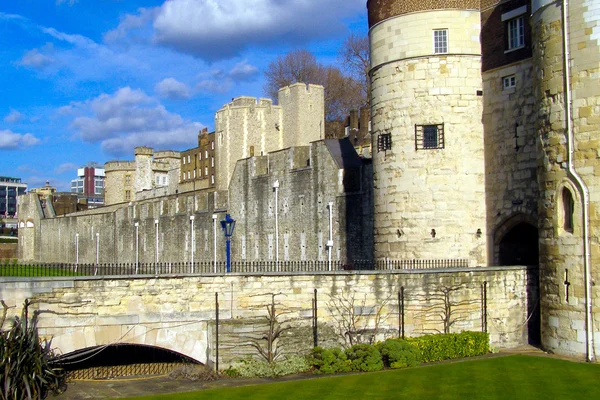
(210, 267)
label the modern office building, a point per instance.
(90, 184)
(10, 188)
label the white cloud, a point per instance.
(13, 117)
(37, 59)
(243, 71)
(173, 89)
(221, 29)
(10, 140)
(68, 2)
(66, 167)
(130, 118)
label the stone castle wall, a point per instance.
(429, 203)
(127, 232)
(179, 313)
(565, 296)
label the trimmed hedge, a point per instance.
(451, 345)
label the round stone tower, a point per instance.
(426, 110)
(568, 126)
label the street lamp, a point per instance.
(228, 225)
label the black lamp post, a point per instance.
(228, 225)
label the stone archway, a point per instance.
(516, 242)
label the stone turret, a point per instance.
(427, 135)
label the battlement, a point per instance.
(248, 102)
(111, 166)
(167, 154)
(143, 151)
(301, 88)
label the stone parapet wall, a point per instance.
(179, 313)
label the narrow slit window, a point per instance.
(568, 210)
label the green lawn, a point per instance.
(15, 270)
(510, 377)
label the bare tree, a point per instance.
(267, 344)
(353, 318)
(296, 66)
(354, 55)
(442, 303)
(343, 92)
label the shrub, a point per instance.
(194, 372)
(251, 367)
(451, 345)
(28, 370)
(398, 353)
(364, 357)
(329, 361)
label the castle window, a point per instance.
(509, 82)
(568, 209)
(516, 33)
(428, 137)
(128, 179)
(384, 142)
(440, 41)
(515, 28)
(127, 195)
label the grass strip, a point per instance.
(511, 377)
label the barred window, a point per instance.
(384, 142)
(440, 41)
(429, 137)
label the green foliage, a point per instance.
(398, 353)
(451, 345)
(329, 361)
(364, 357)
(251, 367)
(26, 368)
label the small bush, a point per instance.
(329, 361)
(251, 368)
(364, 357)
(451, 345)
(194, 373)
(398, 353)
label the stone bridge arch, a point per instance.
(188, 339)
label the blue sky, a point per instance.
(89, 80)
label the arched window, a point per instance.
(568, 207)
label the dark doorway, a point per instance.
(520, 247)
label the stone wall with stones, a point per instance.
(511, 148)
(429, 202)
(567, 301)
(179, 313)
